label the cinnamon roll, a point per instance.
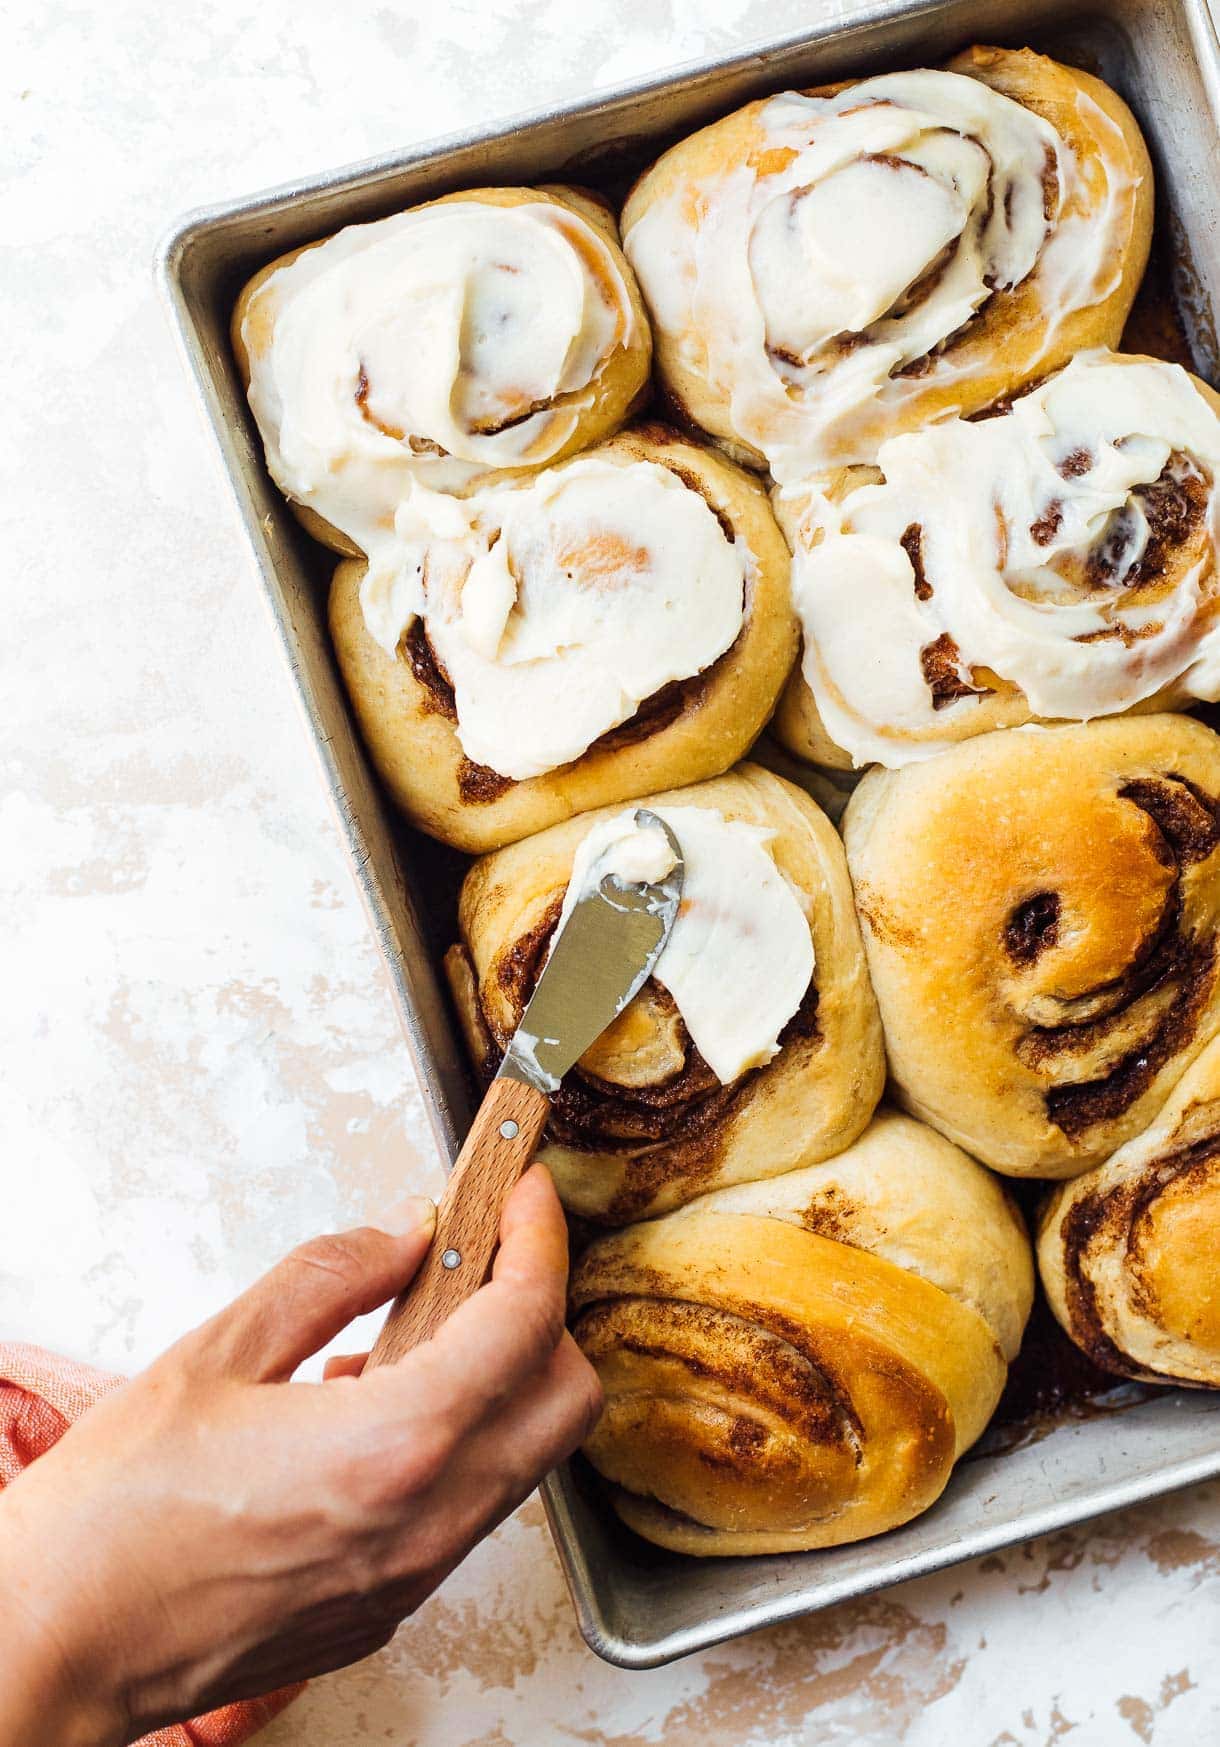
(1056, 561)
(488, 331)
(827, 268)
(799, 1362)
(1128, 1252)
(755, 1045)
(1041, 909)
(618, 623)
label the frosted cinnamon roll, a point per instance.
(1040, 910)
(827, 268)
(799, 1362)
(755, 1045)
(1128, 1252)
(492, 330)
(608, 626)
(1054, 561)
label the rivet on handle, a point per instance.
(509, 1129)
(451, 1259)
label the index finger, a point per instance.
(502, 1336)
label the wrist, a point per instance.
(45, 1693)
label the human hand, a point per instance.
(212, 1531)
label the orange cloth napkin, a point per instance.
(40, 1395)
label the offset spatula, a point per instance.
(601, 957)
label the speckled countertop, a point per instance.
(199, 1057)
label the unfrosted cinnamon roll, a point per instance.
(827, 268)
(1055, 561)
(491, 330)
(616, 624)
(1041, 909)
(1128, 1252)
(799, 1362)
(754, 1046)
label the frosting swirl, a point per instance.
(437, 345)
(818, 281)
(557, 606)
(1065, 549)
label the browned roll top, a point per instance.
(770, 1386)
(1041, 911)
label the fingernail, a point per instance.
(413, 1213)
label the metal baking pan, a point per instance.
(638, 1606)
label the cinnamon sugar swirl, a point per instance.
(756, 1043)
(799, 1362)
(1041, 910)
(1128, 1251)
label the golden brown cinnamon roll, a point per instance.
(799, 1362)
(754, 1046)
(1128, 1252)
(496, 329)
(1041, 909)
(616, 624)
(1054, 561)
(827, 268)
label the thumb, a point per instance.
(312, 1295)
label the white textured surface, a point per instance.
(200, 1063)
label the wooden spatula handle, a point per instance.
(498, 1149)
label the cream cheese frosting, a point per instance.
(866, 230)
(1067, 546)
(437, 344)
(739, 957)
(630, 848)
(557, 606)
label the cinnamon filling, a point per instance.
(1076, 1108)
(1083, 1223)
(591, 1114)
(430, 675)
(1050, 185)
(1171, 960)
(1032, 927)
(1043, 531)
(1186, 817)
(928, 281)
(1000, 409)
(478, 783)
(941, 664)
(1174, 507)
(492, 427)
(912, 544)
(1076, 464)
(752, 1364)
(671, 1126)
(758, 1354)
